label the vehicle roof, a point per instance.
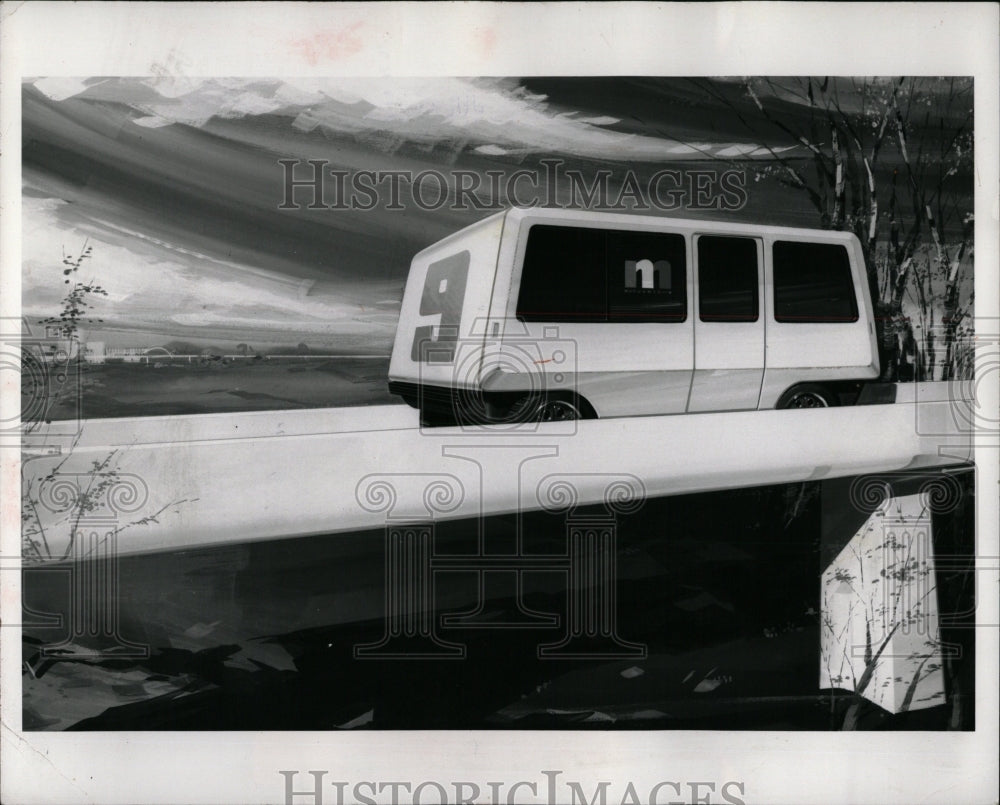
(461, 234)
(519, 214)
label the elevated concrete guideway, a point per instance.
(189, 481)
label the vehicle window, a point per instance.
(586, 275)
(563, 275)
(647, 278)
(812, 283)
(727, 279)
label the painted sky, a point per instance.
(175, 183)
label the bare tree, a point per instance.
(884, 158)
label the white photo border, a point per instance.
(468, 39)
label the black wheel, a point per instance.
(808, 395)
(545, 410)
(558, 411)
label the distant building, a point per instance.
(56, 346)
(93, 352)
(126, 354)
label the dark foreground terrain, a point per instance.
(716, 623)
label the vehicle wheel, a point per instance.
(807, 395)
(558, 411)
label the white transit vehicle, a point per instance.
(548, 314)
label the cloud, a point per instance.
(491, 150)
(494, 116)
(158, 285)
(59, 89)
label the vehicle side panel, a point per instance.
(620, 368)
(818, 351)
(728, 355)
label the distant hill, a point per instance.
(302, 349)
(187, 348)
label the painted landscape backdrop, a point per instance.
(168, 270)
(201, 285)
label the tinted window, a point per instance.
(646, 277)
(563, 275)
(727, 279)
(812, 283)
(578, 274)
